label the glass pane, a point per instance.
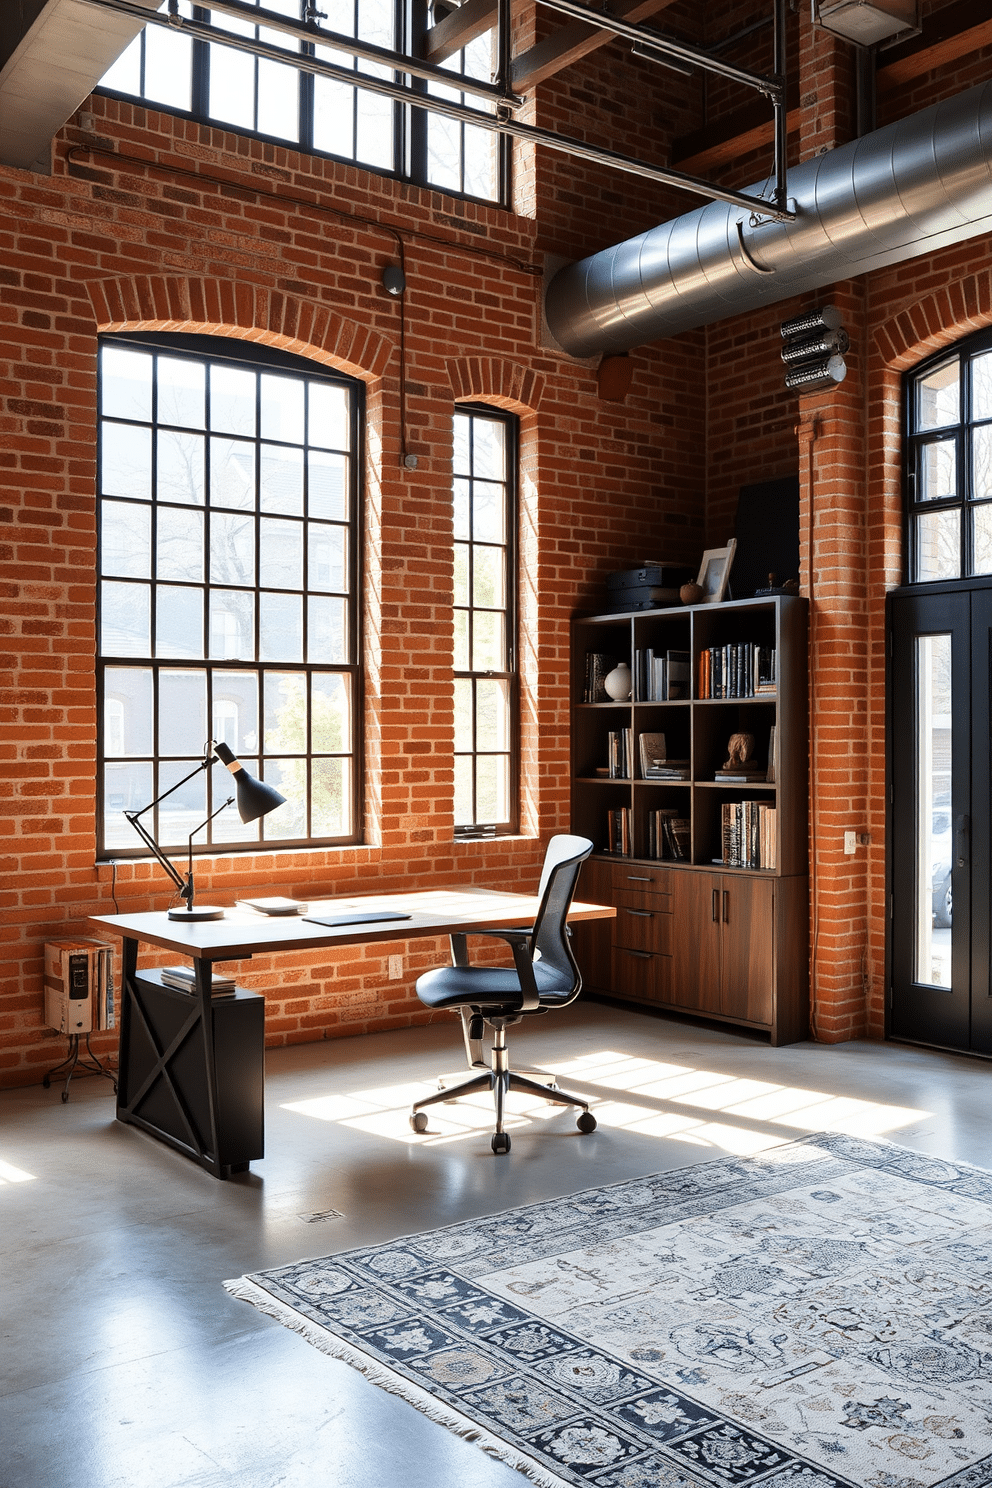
(125, 75)
(333, 115)
(938, 545)
(492, 774)
(464, 811)
(981, 481)
(178, 621)
(938, 398)
(488, 513)
(228, 827)
(981, 386)
(460, 458)
(933, 810)
(461, 512)
(125, 384)
(232, 549)
(461, 573)
(127, 711)
(489, 654)
(126, 787)
(374, 128)
(327, 559)
(280, 627)
(179, 544)
(285, 713)
(290, 819)
(331, 714)
(489, 448)
(328, 486)
(181, 392)
(232, 473)
(168, 68)
(125, 540)
(278, 97)
(180, 467)
(330, 798)
(232, 400)
(492, 702)
(281, 400)
(182, 814)
(182, 711)
(461, 661)
(235, 711)
(232, 625)
(481, 163)
(982, 539)
(232, 81)
(329, 426)
(126, 461)
(938, 470)
(464, 736)
(487, 578)
(444, 147)
(125, 619)
(326, 630)
(281, 483)
(280, 554)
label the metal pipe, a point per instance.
(780, 108)
(494, 123)
(910, 188)
(604, 21)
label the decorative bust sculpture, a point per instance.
(740, 749)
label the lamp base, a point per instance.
(200, 912)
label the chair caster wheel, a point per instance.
(500, 1142)
(586, 1122)
(418, 1121)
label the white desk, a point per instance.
(191, 1066)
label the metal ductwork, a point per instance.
(901, 191)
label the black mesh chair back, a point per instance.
(564, 858)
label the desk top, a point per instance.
(243, 933)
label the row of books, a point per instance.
(619, 839)
(661, 676)
(79, 986)
(619, 743)
(748, 835)
(738, 671)
(184, 978)
(668, 835)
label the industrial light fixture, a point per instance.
(254, 798)
(813, 346)
(868, 22)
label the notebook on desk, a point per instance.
(357, 917)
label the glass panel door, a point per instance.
(933, 890)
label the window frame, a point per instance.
(258, 359)
(511, 672)
(960, 432)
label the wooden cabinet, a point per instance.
(695, 932)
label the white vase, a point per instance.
(617, 683)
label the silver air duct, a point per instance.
(907, 189)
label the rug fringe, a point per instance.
(246, 1290)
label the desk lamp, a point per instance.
(255, 799)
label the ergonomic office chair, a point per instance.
(544, 976)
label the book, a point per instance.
(677, 676)
(275, 905)
(598, 668)
(184, 979)
(772, 771)
(651, 748)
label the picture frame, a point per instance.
(714, 572)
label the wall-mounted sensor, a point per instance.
(393, 279)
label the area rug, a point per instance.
(817, 1315)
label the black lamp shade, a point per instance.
(254, 797)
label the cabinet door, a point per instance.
(592, 939)
(696, 941)
(747, 925)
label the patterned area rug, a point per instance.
(818, 1315)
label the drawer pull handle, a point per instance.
(716, 906)
(726, 906)
(642, 914)
(641, 955)
(639, 877)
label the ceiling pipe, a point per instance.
(898, 192)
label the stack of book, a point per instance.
(748, 835)
(668, 834)
(661, 676)
(598, 668)
(618, 831)
(738, 671)
(79, 985)
(184, 977)
(670, 769)
(618, 753)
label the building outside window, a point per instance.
(486, 724)
(259, 95)
(229, 504)
(949, 463)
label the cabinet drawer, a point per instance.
(642, 877)
(641, 974)
(643, 923)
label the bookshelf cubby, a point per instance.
(696, 929)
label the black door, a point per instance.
(939, 761)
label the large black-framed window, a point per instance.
(948, 411)
(229, 497)
(276, 101)
(485, 613)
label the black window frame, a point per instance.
(256, 358)
(961, 433)
(511, 672)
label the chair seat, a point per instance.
(490, 988)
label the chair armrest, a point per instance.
(521, 944)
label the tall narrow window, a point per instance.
(485, 640)
(949, 463)
(229, 517)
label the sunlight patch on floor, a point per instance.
(10, 1174)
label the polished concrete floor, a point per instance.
(127, 1365)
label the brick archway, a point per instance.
(492, 380)
(940, 319)
(247, 312)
